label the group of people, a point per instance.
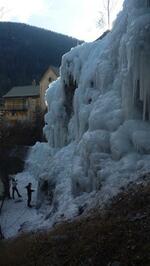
(28, 188)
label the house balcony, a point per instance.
(14, 108)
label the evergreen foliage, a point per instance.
(27, 51)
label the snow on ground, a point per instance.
(15, 213)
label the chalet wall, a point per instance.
(45, 81)
(26, 109)
(21, 109)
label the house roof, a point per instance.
(23, 91)
(52, 68)
(103, 35)
(29, 90)
(55, 70)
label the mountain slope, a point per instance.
(27, 51)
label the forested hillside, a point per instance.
(27, 51)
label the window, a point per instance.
(13, 113)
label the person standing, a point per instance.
(29, 194)
(1, 234)
(14, 188)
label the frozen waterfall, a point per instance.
(98, 120)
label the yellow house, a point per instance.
(23, 103)
(50, 75)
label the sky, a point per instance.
(76, 18)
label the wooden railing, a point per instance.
(15, 107)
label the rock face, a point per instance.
(97, 125)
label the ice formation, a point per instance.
(97, 124)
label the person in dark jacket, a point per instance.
(29, 194)
(1, 234)
(14, 188)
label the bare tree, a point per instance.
(3, 11)
(105, 14)
(108, 6)
(101, 20)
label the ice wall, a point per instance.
(97, 123)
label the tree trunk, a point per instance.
(108, 13)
